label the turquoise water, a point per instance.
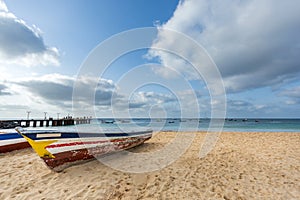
(236, 125)
(232, 125)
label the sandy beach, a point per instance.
(241, 166)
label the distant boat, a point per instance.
(12, 141)
(109, 122)
(60, 150)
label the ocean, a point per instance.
(176, 124)
(230, 125)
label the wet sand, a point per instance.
(241, 166)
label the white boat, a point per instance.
(10, 141)
(60, 150)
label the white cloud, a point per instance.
(57, 88)
(22, 44)
(292, 95)
(3, 90)
(150, 99)
(54, 92)
(238, 108)
(3, 6)
(254, 43)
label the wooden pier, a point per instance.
(43, 122)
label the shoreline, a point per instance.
(179, 124)
(242, 165)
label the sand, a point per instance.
(241, 166)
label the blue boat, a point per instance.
(12, 141)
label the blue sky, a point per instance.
(254, 44)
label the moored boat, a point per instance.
(12, 141)
(60, 150)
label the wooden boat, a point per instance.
(60, 150)
(12, 141)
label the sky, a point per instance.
(193, 49)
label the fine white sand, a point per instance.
(241, 166)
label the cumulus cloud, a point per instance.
(23, 44)
(292, 95)
(144, 99)
(237, 108)
(13, 107)
(3, 6)
(3, 90)
(57, 89)
(254, 43)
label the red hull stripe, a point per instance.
(12, 147)
(81, 143)
(63, 160)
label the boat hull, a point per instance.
(61, 150)
(65, 159)
(12, 141)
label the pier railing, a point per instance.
(43, 122)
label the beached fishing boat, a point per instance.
(12, 141)
(60, 150)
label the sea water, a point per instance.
(176, 124)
